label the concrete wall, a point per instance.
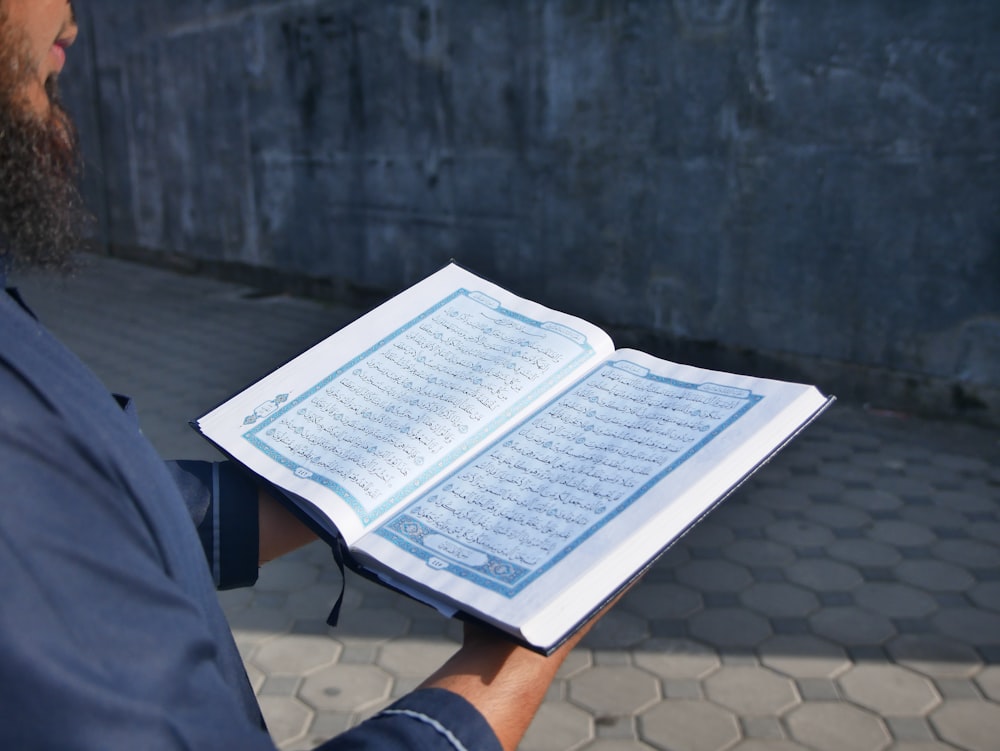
(781, 185)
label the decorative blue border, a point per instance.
(507, 578)
(274, 411)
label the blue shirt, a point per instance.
(111, 635)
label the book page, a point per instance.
(356, 439)
(492, 532)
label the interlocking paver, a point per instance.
(714, 576)
(934, 575)
(975, 627)
(751, 691)
(972, 725)
(614, 690)
(689, 726)
(775, 599)
(620, 630)
(296, 654)
(852, 626)
(730, 628)
(676, 658)
(759, 553)
(894, 600)
(345, 688)
(822, 575)
(287, 718)
(872, 499)
(804, 656)
(863, 552)
(558, 725)
(754, 744)
(986, 595)
(414, 658)
(858, 572)
(989, 682)
(800, 533)
(616, 744)
(935, 655)
(889, 690)
(662, 601)
(828, 726)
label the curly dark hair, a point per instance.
(41, 211)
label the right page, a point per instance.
(548, 522)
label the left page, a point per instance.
(362, 421)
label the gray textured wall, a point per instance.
(812, 182)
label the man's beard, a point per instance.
(41, 211)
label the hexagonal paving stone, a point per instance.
(900, 533)
(285, 576)
(889, 690)
(346, 688)
(976, 627)
(371, 624)
(894, 600)
(661, 601)
(986, 531)
(755, 744)
(414, 657)
(614, 690)
(729, 627)
(689, 726)
(934, 575)
(709, 535)
(737, 515)
(676, 658)
(803, 656)
(935, 655)
(714, 576)
(822, 575)
(989, 682)
(315, 601)
(871, 500)
(777, 600)
(751, 690)
(973, 725)
(618, 629)
(837, 516)
(296, 654)
(835, 726)
(759, 553)
(779, 498)
(232, 600)
(558, 725)
(852, 627)
(616, 744)
(967, 553)
(258, 624)
(814, 484)
(800, 533)
(921, 746)
(576, 661)
(862, 552)
(287, 718)
(986, 595)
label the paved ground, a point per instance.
(847, 599)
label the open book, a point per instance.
(494, 457)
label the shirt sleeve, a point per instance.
(428, 719)
(222, 501)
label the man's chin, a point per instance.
(42, 218)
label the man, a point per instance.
(111, 634)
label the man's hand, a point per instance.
(503, 680)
